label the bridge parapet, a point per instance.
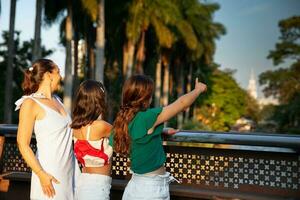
(208, 164)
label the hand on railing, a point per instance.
(170, 131)
(46, 183)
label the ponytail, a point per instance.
(121, 136)
(34, 75)
(29, 85)
(136, 96)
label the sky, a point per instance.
(252, 31)
(25, 19)
(251, 25)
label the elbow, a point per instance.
(21, 145)
(19, 142)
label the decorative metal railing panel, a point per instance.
(232, 170)
(261, 172)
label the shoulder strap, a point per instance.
(58, 99)
(20, 101)
(88, 132)
(102, 148)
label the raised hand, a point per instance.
(200, 86)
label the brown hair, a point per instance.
(33, 76)
(89, 104)
(136, 94)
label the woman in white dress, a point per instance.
(42, 112)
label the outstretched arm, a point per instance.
(179, 105)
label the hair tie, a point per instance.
(30, 69)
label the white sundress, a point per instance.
(54, 152)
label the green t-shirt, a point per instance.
(146, 150)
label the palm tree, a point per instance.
(95, 8)
(100, 41)
(53, 11)
(69, 71)
(165, 19)
(157, 94)
(9, 69)
(37, 30)
(142, 15)
(199, 53)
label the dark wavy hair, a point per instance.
(89, 104)
(136, 94)
(33, 76)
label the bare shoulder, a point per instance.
(102, 127)
(28, 105)
(102, 124)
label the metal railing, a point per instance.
(209, 164)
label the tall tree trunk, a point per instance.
(179, 90)
(37, 52)
(158, 83)
(131, 49)
(68, 81)
(100, 42)
(76, 63)
(188, 89)
(125, 59)
(166, 83)
(9, 68)
(91, 63)
(140, 55)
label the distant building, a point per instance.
(243, 125)
(267, 101)
(252, 89)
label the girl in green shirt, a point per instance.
(137, 133)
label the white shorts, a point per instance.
(93, 187)
(154, 187)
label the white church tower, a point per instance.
(252, 90)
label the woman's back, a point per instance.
(91, 145)
(92, 149)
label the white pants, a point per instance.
(93, 187)
(154, 187)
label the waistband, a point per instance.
(144, 178)
(159, 171)
(95, 177)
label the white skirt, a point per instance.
(93, 187)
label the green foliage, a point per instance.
(54, 11)
(157, 13)
(288, 116)
(223, 104)
(195, 125)
(181, 30)
(252, 110)
(284, 83)
(22, 60)
(289, 46)
(200, 17)
(91, 6)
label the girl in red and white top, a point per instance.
(91, 144)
